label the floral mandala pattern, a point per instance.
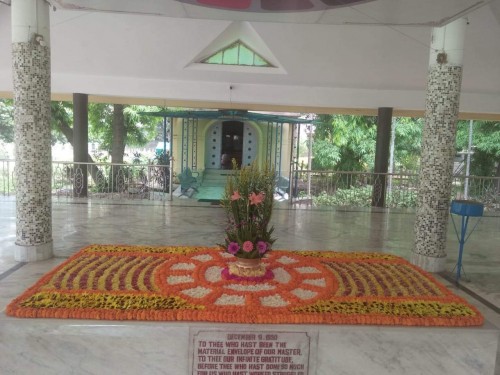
(295, 280)
(122, 282)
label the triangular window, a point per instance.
(237, 53)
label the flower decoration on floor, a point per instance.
(248, 202)
(179, 283)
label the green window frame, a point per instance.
(237, 53)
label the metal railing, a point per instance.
(108, 181)
(100, 181)
(7, 183)
(364, 189)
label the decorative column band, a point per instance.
(277, 148)
(185, 144)
(269, 143)
(194, 144)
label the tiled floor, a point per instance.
(189, 223)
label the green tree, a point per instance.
(62, 122)
(6, 121)
(486, 142)
(58, 109)
(62, 130)
(112, 126)
(344, 142)
(408, 142)
(115, 125)
(348, 143)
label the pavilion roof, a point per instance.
(230, 114)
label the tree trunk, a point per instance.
(95, 173)
(118, 146)
(119, 134)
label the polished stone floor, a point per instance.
(190, 223)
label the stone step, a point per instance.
(215, 177)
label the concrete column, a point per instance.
(80, 143)
(31, 72)
(384, 122)
(438, 146)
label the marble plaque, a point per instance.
(215, 352)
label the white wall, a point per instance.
(331, 66)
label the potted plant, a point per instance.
(248, 201)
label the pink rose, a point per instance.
(247, 246)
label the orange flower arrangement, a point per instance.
(178, 283)
(248, 201)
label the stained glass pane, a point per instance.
(230, 55)
(237, 53)
(259, 61)
(246, 55)
(214, 59)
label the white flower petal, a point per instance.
(287, 260)
(317, 282)
(183, 266)
(213, 274)
(173, 280)
(226, 299)
(203, 257)
(273, 301)
(198, 292)
(250, 288)
(307, 270)
(304, 293)
(281, 275)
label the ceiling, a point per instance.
(344, 59)
(330, 12)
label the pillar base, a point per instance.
(33, 253)
(427, 263)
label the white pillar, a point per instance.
(467, 165)
(449, 40)
(31, 75)
(438, 146)
(30, 17)
(391, 155)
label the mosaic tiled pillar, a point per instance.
(31, 73)
(438, 146)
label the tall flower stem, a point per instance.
(248, 202)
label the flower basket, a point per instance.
(247, 268)
(248, 201)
